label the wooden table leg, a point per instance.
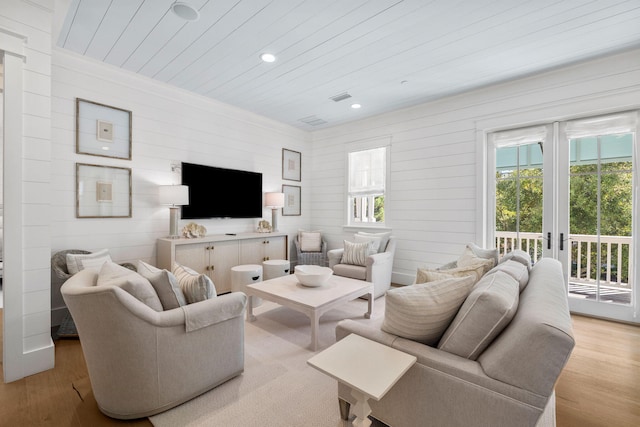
(250, 316)
(315, 326)
(367, 315)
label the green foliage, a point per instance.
(378, 209)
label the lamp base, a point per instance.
(274, 220)
(173, 223)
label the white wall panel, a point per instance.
(432, 200)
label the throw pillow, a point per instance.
(487, 310)
(357, 253)
(383, 239)
(518, 255)
(515, 269)
(425, 275)
(196, 287)
(77, 262)
(112, 274)
(165, 284)
(473, 255)
(423, 312)
(310, 241)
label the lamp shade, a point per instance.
(174, 195)
(274, 200)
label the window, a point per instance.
(367, 182)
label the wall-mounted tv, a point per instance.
(221, 193)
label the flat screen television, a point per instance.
(221, 193)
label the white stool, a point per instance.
(275, 268)
(243, 275)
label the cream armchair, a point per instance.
(377, 270)
(141, 361)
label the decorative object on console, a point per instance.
(274, 201)
(174, 195)
(291, 200)
(264, 226)
(102, 130)
(193, 230)
(102, 191)
(291, 165)
(312, 275)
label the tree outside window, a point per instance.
(367, 181)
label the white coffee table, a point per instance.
(313, 302)
(369, 368)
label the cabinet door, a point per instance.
(252, 251)
(195, 256)
(222, 256)
(275, 248)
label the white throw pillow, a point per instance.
(425, 275)
(196, 287)
(112, 274)
(95, 260)
(423, 312)
(357, 253)
(383, 238)
(487, 310)
(310, 241)
(165, 284)
(474, 254)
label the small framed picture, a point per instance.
(102, 130)
(291, 165)
(291, 200)
(102, 191)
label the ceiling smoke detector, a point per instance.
(185, 11)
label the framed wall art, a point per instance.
(102, 130)
(291, 165)
(102, 191)
(291, 200)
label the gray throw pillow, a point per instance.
(165, 284)
(112, 274)
(515, 269)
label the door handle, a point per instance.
(562, 241)
(549, 240)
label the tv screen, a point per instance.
(221, 193)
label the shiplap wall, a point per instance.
(28, 347)
(433, 204)
(169, 126)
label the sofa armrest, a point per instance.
(215, 310)
(335, 256)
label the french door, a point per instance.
(569, 190)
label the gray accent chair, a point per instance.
(142, 362)
(378, 267)
(59, 275)
(311, 258)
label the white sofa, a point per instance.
(377, 270)
(142, 361)
(511, 383)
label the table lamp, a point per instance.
(175, 196)
(274, 201)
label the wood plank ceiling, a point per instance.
(386, 54)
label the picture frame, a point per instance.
(103, 130)
(292, 203)
(291, 165)
(103, 191)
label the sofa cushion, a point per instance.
(112, 274)
(165, 284)
(422, 312)
(310, 241)
(488, 309)
(357, 253)
(425, 275)
(94, 261)
(381, 238)
(353, 271)
(518, 255)
(195, 286)
(515, 269)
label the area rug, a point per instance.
(277, 388)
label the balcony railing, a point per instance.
(611, 283)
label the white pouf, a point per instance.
(275, 268)
(243, 275)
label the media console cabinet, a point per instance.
(214, 255)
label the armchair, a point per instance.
(377, 270)
(311, 258)
(141, 361)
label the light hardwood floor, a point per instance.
(600, 386)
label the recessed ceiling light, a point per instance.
(268, 57)
(355, 106)
(185, 11)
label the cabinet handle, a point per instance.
(213, 267)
